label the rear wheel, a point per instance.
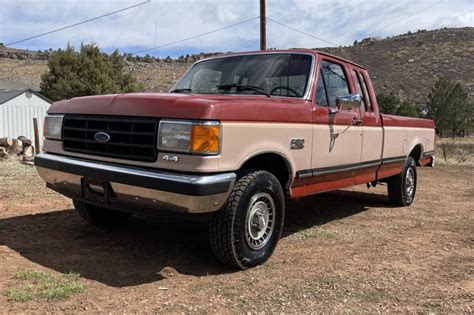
(402, 187)
(246, 231)
(98, 215)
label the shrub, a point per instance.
(87, 72)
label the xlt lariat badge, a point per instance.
(171, 158)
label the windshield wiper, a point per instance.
(242, 87)
(180, 90)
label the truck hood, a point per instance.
(189, 106)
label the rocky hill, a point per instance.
(406, 65)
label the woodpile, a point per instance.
(17, 149)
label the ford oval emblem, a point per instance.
(102, 137)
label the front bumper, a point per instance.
(133, 189)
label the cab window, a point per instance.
(321, 97)
(334, 83)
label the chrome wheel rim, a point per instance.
(410, 184)
(260, 220)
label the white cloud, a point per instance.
(337, 21)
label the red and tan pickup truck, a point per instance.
(236, 137)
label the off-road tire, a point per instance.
(397, 185)
(228, 227)
(96, 215)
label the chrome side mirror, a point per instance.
(347, 102)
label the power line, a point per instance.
(302, 32)
(79, 23)
(406, 18)
(195, 36)
(452, 18)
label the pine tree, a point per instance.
(391, 104)
(407, 109)
(388, 103)
(450, 107)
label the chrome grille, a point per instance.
(130, 138)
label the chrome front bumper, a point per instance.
(133, 189)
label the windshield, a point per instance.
(266, 74)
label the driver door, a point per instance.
(337, 137)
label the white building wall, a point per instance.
(16, 116)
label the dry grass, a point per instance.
(455, 151)
(347, 251)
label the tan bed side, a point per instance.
(399, 141)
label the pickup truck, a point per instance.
(236, 137)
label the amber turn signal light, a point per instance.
(205, 138)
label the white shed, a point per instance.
(17, 110)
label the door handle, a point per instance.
(356, 121)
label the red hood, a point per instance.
(186, 106)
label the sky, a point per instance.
(334, 22)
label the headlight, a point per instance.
(190, 137)
(53, 126)
(174, 135)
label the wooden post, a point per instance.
(263, 30)
(444, 152)
(35, 128)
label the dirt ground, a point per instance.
(344, 251)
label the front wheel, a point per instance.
(246, 231)
(402, 187)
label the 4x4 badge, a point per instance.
(171, 158)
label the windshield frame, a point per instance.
(309, 83)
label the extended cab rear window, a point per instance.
(356, 78)
(278, 74)
(367, 92)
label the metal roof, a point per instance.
(6, 95)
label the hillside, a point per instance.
(406, 65)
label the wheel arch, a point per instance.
(274, 162)
(416, 153)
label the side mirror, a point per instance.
(347, 102)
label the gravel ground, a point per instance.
(343, 251)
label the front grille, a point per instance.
(130, 138)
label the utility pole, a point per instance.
(263, 27)
(154, 42)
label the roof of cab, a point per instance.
(296, 50)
